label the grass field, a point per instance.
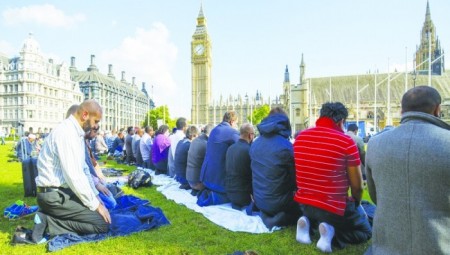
(189, 232)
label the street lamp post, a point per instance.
(429, 57)
(198, 105)
(291, 106)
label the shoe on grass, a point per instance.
(302, 235)
(21, 238)
(326, 236)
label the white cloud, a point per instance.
(46, 14)
(150, 56)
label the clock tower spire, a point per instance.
(201, 72)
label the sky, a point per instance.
(252, 40)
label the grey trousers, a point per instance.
(66, 214)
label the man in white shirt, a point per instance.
(67, 204)
(174, 138)
(145, 145)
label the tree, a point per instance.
(259, 114)
(159, 113)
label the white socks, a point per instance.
(326, 236)
(303, 231)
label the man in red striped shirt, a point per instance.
(327, 163)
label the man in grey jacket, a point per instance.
(408, 173)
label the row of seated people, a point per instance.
(225, 165)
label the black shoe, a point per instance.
(21, 238)
(194, 192)
(24, 230)
(185, 186)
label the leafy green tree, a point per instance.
(259, 114)
(159, 113)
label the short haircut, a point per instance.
(230, 116)
(181, 123)
(191, 132)
(207, 129)
(421, 99)
(148, 129)
(129, 129)
(352, 127)
(335, 111)
(72, 109)
(277, 110)
(246, 129)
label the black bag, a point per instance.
(139, 178)
(29, 174)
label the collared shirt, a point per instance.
(145, 145)
(61, 162)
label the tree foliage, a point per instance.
(159, 113)
(259, 114)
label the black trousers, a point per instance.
(353, 227)
(66, 214)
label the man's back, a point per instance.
(408, 168)
(238, 170)
(196, 155)
(213, 168)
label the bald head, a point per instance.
(89, 114)
(422, 99)
(90, 106)
(247, 132)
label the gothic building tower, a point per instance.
(428, 35)
(201, 71)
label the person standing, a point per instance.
(129, 146)
(67, 204)
(408, 174)
(327, 165)
(2, 136)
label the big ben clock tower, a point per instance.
(201, 72)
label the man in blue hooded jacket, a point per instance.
(213, 169)
(273, 171)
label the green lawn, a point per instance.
(189, 232)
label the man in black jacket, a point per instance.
(238, 170)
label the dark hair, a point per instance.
(181, 123)
(161, 130)
(421, 99)
(148, 129)
(129, 129)
(352, 127)
(335, 111)
(276, 110)
(207, 129)
(191, 131)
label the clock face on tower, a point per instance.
(199, 49)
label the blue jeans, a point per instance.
(352, 228)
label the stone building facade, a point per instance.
(35, 92)
(123, 103)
